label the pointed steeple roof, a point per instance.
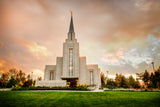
(71, 28)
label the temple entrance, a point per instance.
(72, 82)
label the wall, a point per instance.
(82, 73)
(75, 45)
(59, 67)
(96, 74)
(47, 71)
(51, 83)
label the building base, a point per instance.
(51, 83)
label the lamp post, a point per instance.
(153, 65)
(107, 76)
(32, 75)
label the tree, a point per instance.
(13, 72)
(152, 81)
(17, 77)
(146, 77)
(3, 80)
(118, 80)
(110, 82)
(123, 82)
(20, 76)
(102, 79)
(137, 85)
(12, 82)
(39, 78)
(157, 77)
(23, 79)
(28, 77)
(131, 82)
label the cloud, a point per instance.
(38, 50)
(120, 36)
(5, 65)
(35, 73)
(113, 57)
(35, 49)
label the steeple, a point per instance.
(71, 28)
(71, 34)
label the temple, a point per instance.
(71, 66)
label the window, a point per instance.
(51, 75)
(71, 36)
(91, 77)
(71, 61)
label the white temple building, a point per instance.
(70, 66)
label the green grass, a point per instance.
(79, 99)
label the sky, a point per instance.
(121, 36)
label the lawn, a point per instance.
(79, 99)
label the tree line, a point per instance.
(119, 81)
(150, 80)
(16, 78)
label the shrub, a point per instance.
(11, 82)
(111, 87)
(28, 83)
(73, 83)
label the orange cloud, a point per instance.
(38, 50)
(35, 49)
(2, 45)
(110, 23)
(3, 66)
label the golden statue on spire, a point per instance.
(71, 13)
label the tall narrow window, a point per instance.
(91, 77)
(71, 61)
(71, 36)
(51, 75)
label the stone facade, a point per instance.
(51, 83)
(71, 66)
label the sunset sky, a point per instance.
(121, 36)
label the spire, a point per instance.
(71, 28)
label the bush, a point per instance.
(111, 87)
(80, 87)
(28, 83)
(23, 88)
(73, 83)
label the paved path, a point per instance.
(5, 89)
